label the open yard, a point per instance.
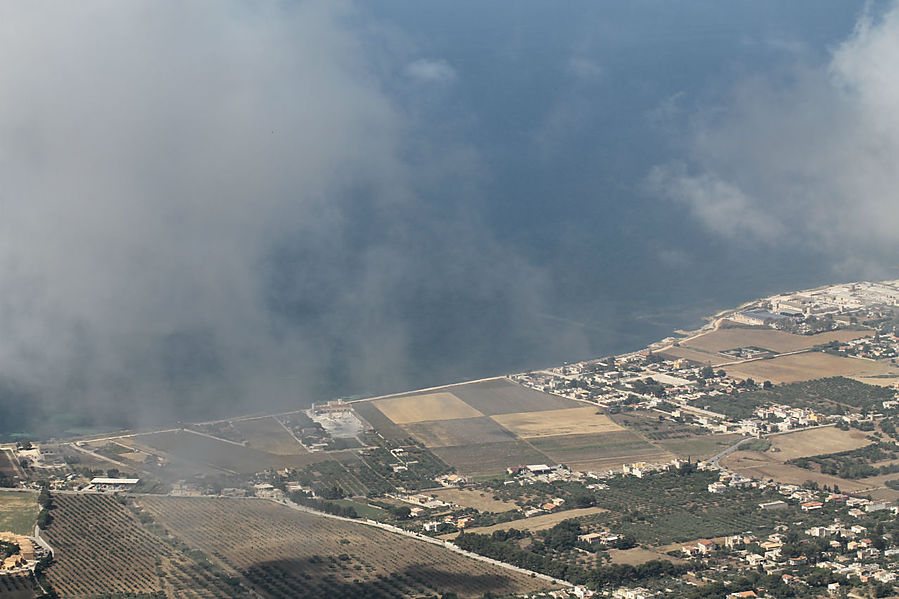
(479, 500)
(422, 408)
(288, 553)
(573, 421)
(505, 397)
(18, 511)
(267, 434)
(806, 367)
(776, 341)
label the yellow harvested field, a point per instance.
(806, 367)
(423, 408)
(573, 421)
(816, 441)
(777, 341)
(479, 500)
(541, 522)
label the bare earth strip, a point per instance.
(806, 367)
(421, 408)
(776, 341)
(573, 421)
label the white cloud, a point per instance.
(812, 162)
(431, 71)
(211, 200)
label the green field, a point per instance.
(18, 511)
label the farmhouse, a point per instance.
(539, 469)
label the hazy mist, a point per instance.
(222, 207)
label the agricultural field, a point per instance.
(523, 427)
(18, 586)
(816, 441)
(381, 423)
(695, 355)
(18, 511)
(219, 456)
(480, 500)
(770, 339)
(770, 464)
(490, 459)
(266, 434)
(833, 395)
(504, 397)
(673, 508)
(7, 467)
(766, 466)
(289, 553)
(807, 366)
(461, 431)
(698, 447)
(101, 548)
(599, 452)
(573, 421)
(638, 555)
(423, 408)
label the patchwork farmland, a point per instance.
(283, 552)
(483, 428)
